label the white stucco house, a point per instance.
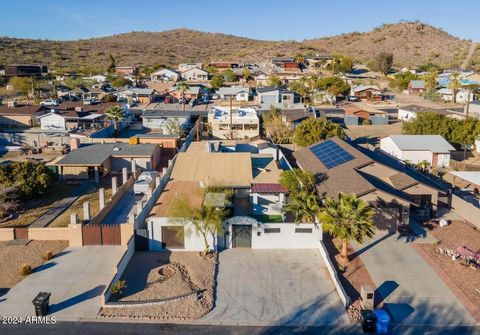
(461, 97)
(417, 148)
(244, 122)
(194, 74)
(165, 76)
(237, 93)
(161, 120)
(410, 112)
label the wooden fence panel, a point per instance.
(92, 235)
(111, 234)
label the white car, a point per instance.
(145, 181)
(50, 102)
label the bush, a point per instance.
(25, 269)
(437, 243)
(48, 255)
(366, 122)
(117, 289)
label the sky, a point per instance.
(259, 19)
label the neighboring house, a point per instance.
(160, 120)
(355, 113)
(70, 120)
(165, 75)
(473, 109)
(243, 122)
(340, 167)
(416, 86)
(221, 66)
(185, 67)
(270, 95)
(101, 159)
(25, 70)
(126, 70)
(140, 95)
(461, 96)
(194, 74)
(16, 115)
(318, 61)
(370, 93)
(98, 78)
(193, 92)
(235, 93)
(285, 63)
(294, 117)
(410, 112)
(418, 148)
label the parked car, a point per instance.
(353, 98)
(49, 102)
(145, 181)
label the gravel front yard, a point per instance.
(457, 234)
(160, 275)
(13, 256)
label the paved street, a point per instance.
(275, 287)
(411, 290)
(76, 278)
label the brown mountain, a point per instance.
(411, 43)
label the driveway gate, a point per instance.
(242, 236)
(101, 234)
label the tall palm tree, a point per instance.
(114, 114)
(304, 205)
(183, 87)
(348, 218)
(454, 84)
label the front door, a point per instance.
(242, 236)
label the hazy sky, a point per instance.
(267, 19)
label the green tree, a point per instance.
(454, 84)
(183, 87)
(341, 64)
(274, 80)
(333, 85)
(297, 180)
(402, 80)
(113, 65)
(120, 82)
(311, 131)
(428, 66)
(299, 58)
(349, 219)
(21, 84)
(431, 79)
(173, 127)
(32, 180)
(206, 220)
(279, 131)
(304, 206)
(246, 74)
(114, 114)
(304, 86)
(217, 81)
(229, 75)
(382, 62)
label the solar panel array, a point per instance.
(330, 154)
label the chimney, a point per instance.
(74, 143)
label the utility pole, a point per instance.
(231, 117)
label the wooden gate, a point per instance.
(242, 236)
(101, 234)
(20, 233)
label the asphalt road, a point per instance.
(101, 328)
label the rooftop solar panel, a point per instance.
(330, 154)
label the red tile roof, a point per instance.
(268, 188)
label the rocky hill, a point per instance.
(411, 43)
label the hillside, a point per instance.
(411, 43)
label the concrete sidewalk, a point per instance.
(409, 288)
(76, 278)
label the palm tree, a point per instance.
(454, 84)
(431, 79)
(348, 218)
(183, 87)
(304, 205)
(114, 114)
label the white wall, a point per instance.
(405, 115)
(53, 122)
(192, 239)
(387, 145)
(286, 239)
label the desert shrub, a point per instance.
(117, 289)
(25, 269)
(48, 255)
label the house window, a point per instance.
(237, 126)
(272, 230)
(250, 126)
(223, 126)
(286, 97)
(304, 230)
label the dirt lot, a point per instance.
(374, 131)
(165, 275)
(457, 234)
(13, 256)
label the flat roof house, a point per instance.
(16, 115)
(239, 122)
(236, 93)
(62, 120)
(276, 96)
(417, 148)
(340, 167)
(100, 159)
(163, 120)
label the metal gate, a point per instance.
(242, 236)
(101, 234)
(20, 233)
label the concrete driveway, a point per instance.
(76, 278)
(274, 287)
(410, 289)
(127, 204)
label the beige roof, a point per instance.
(175, 190)
(265, 169)
(221, 169)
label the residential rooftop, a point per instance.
(433, 143)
